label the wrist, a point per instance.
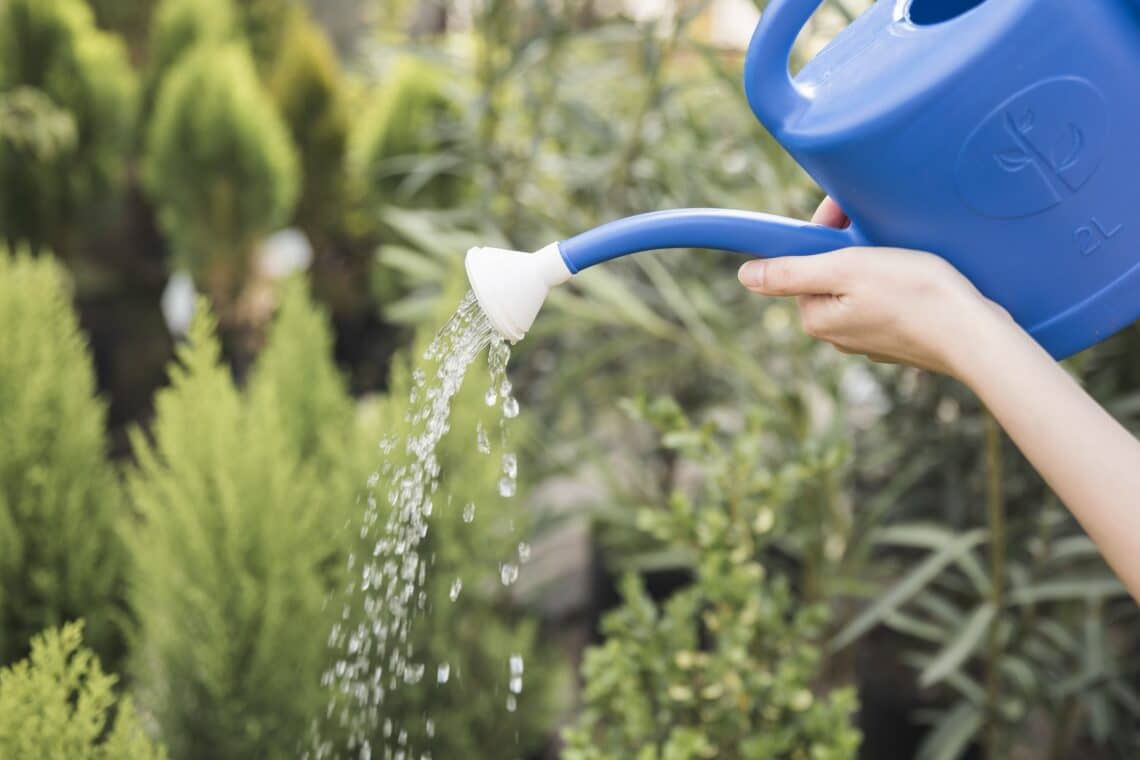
(988, 338)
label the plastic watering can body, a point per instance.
(1003, 135)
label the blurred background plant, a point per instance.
(822, 557)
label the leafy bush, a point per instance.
(241, 499)
(727, 667)
(306, 82)
(219, 166)
(265, 23)
(54, 47)
(59, 498)
(180, 25)
(59, 704)
(401, 150)
(130, 20)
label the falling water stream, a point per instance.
(372, 645)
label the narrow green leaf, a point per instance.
(961, 647)
(921, 576)
(953, 733)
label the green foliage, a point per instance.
(59, 704)
(53, 47)
(266, 24)
(243, 506)
(727, 667)
(129, 19)
(59, 498)
(402, 149)
(306, 83)
(179, 26)
(219, 166)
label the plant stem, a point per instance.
(995, 517)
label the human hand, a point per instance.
(893, 305)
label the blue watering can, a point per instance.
(1003, 135)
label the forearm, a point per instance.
(1088, 458)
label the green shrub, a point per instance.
(726, 668)
(402, 149)
(59, 497)
(265, 23)
(243, 507)
(179, 26)
(59, 704)
(129, 20)
(306, 83)
(54, 47)
(219, 166)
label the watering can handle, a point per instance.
(747, 232)
(768, 84)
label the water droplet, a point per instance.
(512, 703)
(510, 407)
(469, 512)
(524, 551)
(456, 587)
(443, 673)
(413, 672)
(481, 440)
(516, 684)
(505, 388)
(510, 465)
(517, 664)
(508, 573)
(507, 487)
(373, 479)
(490, 397)
(429, 727)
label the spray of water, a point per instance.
(374, 653)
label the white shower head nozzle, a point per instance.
(511, 286)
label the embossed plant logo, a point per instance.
(1034, 151)
(1064, 152)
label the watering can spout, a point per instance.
(511, 286)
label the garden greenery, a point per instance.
(60, 501)
(82, 76)
(58, 703)
(233, 547)
(220, 167)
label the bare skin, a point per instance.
(908, 307)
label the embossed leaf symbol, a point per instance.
(1068, 148)
(1013, 160)
(1025, 126)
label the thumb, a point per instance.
(820, 274)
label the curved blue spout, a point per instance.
(750, 233)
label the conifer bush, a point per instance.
(53, 46)
(726, 667)
(307, 84)
(243, 502)
(58, 703)
(60, 500)
(403, 148)
(178, 27)
(219, 166)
